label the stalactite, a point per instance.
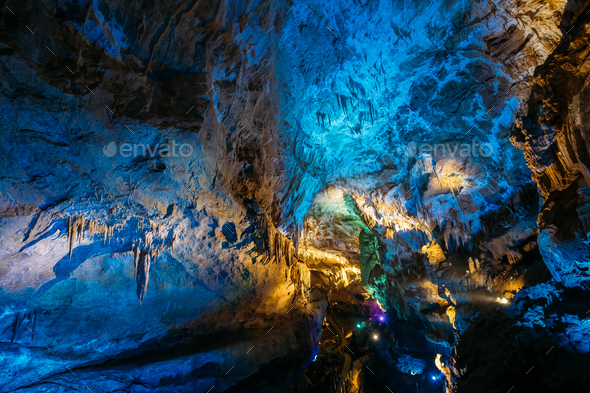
(295, 276)
(135, 260)
(265, 237)
(296, 240)
(21, 316)
(77, 225)
(72, 227)
(36, 312)
(143, 275)
(80, 230)
(277, 253)
(286, 245)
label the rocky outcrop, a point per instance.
(553, 137)
(193, 194)
(552, 134)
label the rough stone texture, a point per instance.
(201, 195)
(170, 226)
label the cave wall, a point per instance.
(552, 135)
(176, 177)
(131, 134)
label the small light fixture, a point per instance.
(375, 337)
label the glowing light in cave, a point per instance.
(335, 195)
(316, 256)
(389, 215)
(356, 270)
(502, 300)
(381, 318)
(358, 325)
(434, 378)
(451, 179)
(375, 337)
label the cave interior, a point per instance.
(264, 196)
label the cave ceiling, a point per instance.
(277, 196)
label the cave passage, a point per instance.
(311, 196)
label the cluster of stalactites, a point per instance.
(153, 242)
(278, 247)
(393, 216)
(77, 225)
(283, 249)
(26, 315)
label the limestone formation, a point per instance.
(278, 196)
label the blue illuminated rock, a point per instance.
(189, 189)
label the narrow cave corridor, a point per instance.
(247, 196)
